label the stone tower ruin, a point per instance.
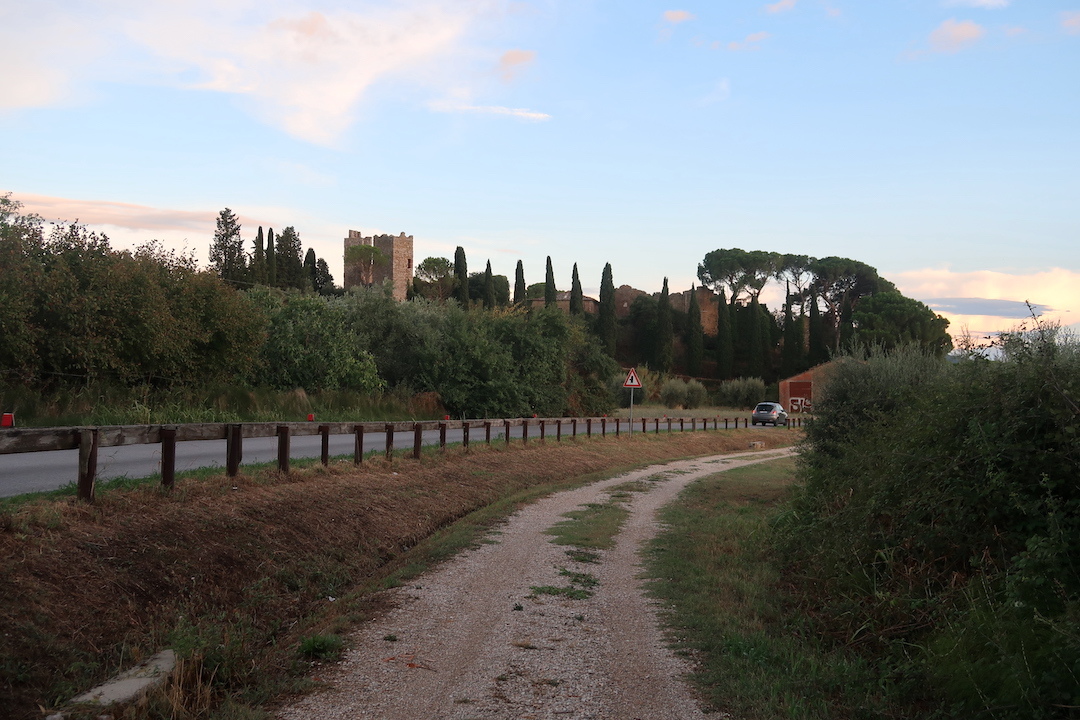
(389, 258)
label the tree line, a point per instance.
(273, 261)
(77, 314)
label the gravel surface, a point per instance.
(472, 640)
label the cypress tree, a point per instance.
(290, 264)
(665, 337)
(489, 288)
(258, 260)
(725, 352)
(309, 268)
(271, 259)
(755, 358)
(694, 336)
(461, 272)
(577, 298)
(227, 256)
(789, 355)
(519, 284)
(607, 324)
(550, 296)
(819, 352)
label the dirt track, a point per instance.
(472, 640)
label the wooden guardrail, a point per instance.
(88, 439)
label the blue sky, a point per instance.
(936, 140)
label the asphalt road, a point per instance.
(42, 471)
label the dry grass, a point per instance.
(233, 571)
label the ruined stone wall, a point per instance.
(395, 263)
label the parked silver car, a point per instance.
(769, 412)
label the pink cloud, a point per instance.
(750, 42)
(781, 6)
(677, 16)
(1057, 290)
(1071, 22)
(116, 214)
(953, 36)
(512, 61)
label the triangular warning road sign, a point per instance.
(632, 379)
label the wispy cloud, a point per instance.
(720, 92)
(677, 16)
(987, 302)
(781, 6)
(953, 36)
(513, 61)
(988, 4)
(520, 113)
(305, 72)
(750, 42)
(115, 214)
(1071, 22)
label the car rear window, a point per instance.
(764, 407)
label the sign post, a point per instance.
(632, 382)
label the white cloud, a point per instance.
(953, 36)
(305, 71)
(750, 42)
(988, 4)
(677, 16)
(1055, 291)
(1071, 22)
(522, 113)
(781, 6)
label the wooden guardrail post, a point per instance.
(693, 424)
(588, 427)
(643, 421)
(524, 431)
(558, 430)
(88, 447)
(233, 448)
(418, 440)
(465, 435)
(573, 428)
(283, 448)
(506, 431)
(543, 430)
(487, 431)
(618, 426)
(358, 444)
(168, 456)
(603, 427)
(324, 455)
(442, 437)
(389, 442)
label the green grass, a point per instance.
(594, 527)
(754, 656)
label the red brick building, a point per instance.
(797, 393)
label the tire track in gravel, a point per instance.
(472, 641)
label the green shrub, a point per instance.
(740, 392)
(939, 510)
(696, 395)
(322, 647)
(673, 393)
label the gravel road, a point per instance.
(472, 640)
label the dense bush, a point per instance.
(939, 521)
(740, 393)
(673, 393)
(696, 395)
(76, 313)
